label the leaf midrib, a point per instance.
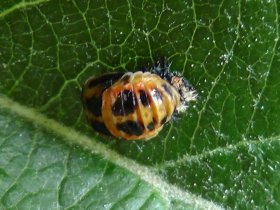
(71, 136)
(19, 6)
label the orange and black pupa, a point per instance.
(134, 106)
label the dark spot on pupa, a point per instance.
(167, 89)
(143, 98)
(154, 120)
(94, 105)
(125, 103)
(151, 126)
(100, 127)
(131, 127)
(106, 80)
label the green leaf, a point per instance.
(225, 149)
(39, 171)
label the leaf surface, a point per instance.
(224, 149)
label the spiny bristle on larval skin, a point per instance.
(186, 91)
(184, 88)
(162, 69)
